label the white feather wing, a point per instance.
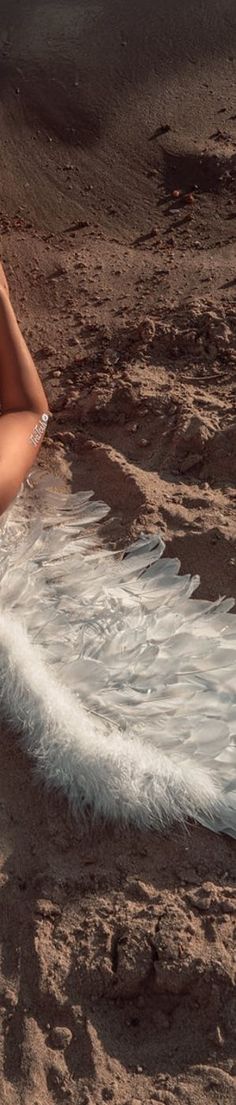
(146, 676)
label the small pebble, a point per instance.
(67, 437)
(147, 329)
(60, 1037)
(218, 1037)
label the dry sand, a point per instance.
(117, 972)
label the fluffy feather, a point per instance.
(121, 687)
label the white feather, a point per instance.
(122, 688)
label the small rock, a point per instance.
(152, 173)
(190, 461)
(66, 436)
(60, 1037)
(9, 998)
(219, 1039)
(164, 1097)
(107, 1094)
(147, 329)
(215, 535)
(48, 909)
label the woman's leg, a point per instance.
(23, 403)
(20, 386)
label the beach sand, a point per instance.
(117, 219)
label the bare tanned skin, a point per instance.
(24, 406)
